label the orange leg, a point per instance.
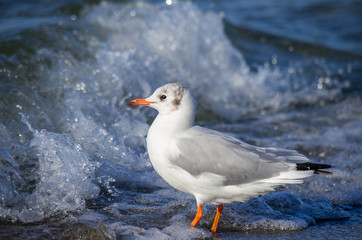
(198, 215)
(217, 217)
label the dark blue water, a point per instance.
(73, 160)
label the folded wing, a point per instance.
(206, 151)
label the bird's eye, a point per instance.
(163, 97)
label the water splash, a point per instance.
(66, 178)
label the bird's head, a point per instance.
(167, 99)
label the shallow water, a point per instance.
(73, 157)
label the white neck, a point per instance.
(171, 124)
(167, 126)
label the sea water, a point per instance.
(73, 155)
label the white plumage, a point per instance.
(212, 166)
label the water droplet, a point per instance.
(349, 69)
(274, 60)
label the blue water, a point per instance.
(73, 160)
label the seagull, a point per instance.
(212, 166)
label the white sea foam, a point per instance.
(175, 45)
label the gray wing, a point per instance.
(207, 151)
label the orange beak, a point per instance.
(139, 101)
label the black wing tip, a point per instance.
(313, 166)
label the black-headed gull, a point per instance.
(214, 167)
